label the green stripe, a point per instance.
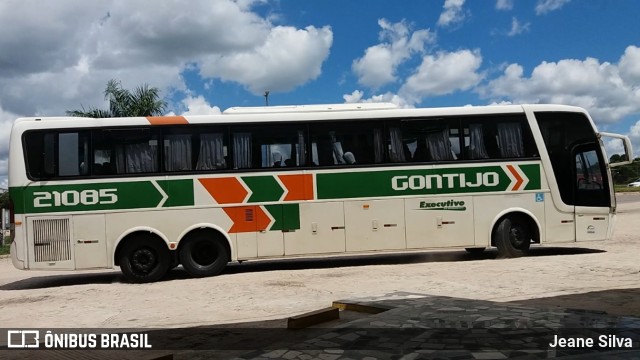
(286, 216)
(532, 171)
(264, 188)
(180, 192)
(420, 182)
(102, 196)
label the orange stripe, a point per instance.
(262, 219)
(243, 218)
(167, 120)
(519, 179)
(226, 190)
(300, 186)
(247, 219)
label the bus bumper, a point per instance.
(17, 263)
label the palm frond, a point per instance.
(90, 113)
(143, 101)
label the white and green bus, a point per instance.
(149, 194)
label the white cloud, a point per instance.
(634, 136)
(443, 73)
(199, 106)
(379, 64)
(71, 49)
(6, 122)
(288, 57)
(630, 65)
(598, 87)
(354, 97)
(547, 6)
(504, 4)
(357, 97)
(58, 55)
(452, 13)
(518, 28)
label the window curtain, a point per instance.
(177, 154)
(271, 157)
(439, 146)
(396, 153)
(337, 149)
(211, 152)
(242, 150)
(477, 149)
(302, 159)
(378, 146)
(136, 158)
(510, 140)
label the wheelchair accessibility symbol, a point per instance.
(539, 197)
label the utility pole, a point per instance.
(266, 98)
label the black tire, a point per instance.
(512, 237)
(204, 254)
(144, 259)
(475, 250)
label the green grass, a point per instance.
(4, 250)
(625, 188)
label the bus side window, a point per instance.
(346, 143)
(439, 145)
(129, 151)
(474, 141)
(49, 158)
(212, 152)
(424, 140)
(57, 154)
(509, 136)
(398, 147)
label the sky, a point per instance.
(208, 55)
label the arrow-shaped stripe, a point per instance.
(263, 188)
(162, 192)
(297, 186)
(249, 219)
(226, 190)
(516, 175)
(264, 219)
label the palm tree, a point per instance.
(143, 101)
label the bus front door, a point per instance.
(592, 194)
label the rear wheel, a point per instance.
(512, 237)
(204, 254)
(144, 259)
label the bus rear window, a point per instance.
(56, 154)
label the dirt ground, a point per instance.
(597, 275)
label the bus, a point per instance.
(149, 194)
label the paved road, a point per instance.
(263, 290)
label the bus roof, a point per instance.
(263, 114)
(309, 108)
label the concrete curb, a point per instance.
(360, 307)
(313, 318)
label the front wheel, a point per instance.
(144, 259)
(204, 255)
(512, 237)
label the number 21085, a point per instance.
(73, 197)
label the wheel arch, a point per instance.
(146, 230)
(531, 218)
(212, 228)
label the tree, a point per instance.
(4, 199)
(142, 101)
(625, 173)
